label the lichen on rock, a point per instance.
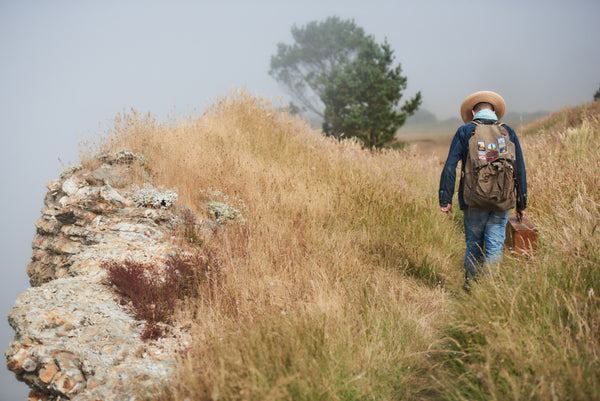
(151, 197)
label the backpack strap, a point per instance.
(477, 123)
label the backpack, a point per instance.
(489, 174)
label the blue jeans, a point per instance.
(484, 231)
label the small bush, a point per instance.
(188, 227)
(123, 157)
(154, 296)
(70, 171)
(150, 197)
(224, 213)
(219, 207)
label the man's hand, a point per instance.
(520, 214)
(447, 209)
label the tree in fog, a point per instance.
(305, 66)
(597, 95)
(362, 96)
(337, 72)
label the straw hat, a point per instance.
(484, 96)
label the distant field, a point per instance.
(430, 143)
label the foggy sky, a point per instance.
(68, 67)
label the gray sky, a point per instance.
(68, 67)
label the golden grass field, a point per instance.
(344, 281)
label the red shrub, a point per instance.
(153, 296)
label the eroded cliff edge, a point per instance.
(73, 338)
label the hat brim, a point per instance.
(484, 96)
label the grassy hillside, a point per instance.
(568, 118)
(343, 283)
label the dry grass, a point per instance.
(342, 282)
(567, 118)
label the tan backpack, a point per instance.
(489, 174)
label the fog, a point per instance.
(68, 67)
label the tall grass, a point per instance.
(340, 245)
(568, 118)
(342, 283)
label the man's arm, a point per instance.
(521, 176)
(448, 177)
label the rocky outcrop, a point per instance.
(73, 339)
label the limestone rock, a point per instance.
(73, 340)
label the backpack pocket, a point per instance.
(493, 187)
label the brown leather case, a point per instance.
(521, 236)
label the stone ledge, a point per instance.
(73, 340)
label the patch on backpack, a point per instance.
(481, 150)
(502, 148)
(492, 152)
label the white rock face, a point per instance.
(73, 340)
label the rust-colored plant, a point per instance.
(155, 293)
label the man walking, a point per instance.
(493, 180)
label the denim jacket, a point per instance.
(459, 150)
